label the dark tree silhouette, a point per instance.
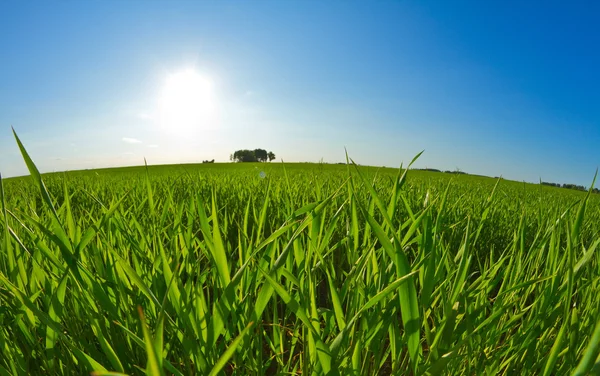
(261, 155)
(256, 155)
(244, 156)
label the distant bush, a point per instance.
(207, 161)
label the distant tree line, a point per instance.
(437, 170)
(256, 155)
(551, 184)
(207, 161)
(570, 186)
(428, 169)
(457, 171)
(574, 186)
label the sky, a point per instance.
(494, 88)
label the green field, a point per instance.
(263, 269)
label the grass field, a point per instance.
(263, 269)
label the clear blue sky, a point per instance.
(499, 88)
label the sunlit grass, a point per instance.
(311, 269)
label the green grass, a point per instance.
(311, 269)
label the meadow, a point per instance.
(289, 269)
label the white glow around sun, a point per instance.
(187, 103)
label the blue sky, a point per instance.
(494, 88)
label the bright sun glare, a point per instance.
(187, 103)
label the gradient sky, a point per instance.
(499, 88)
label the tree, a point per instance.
(261, 155)
(271, 156)
(244, 156)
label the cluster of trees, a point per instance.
(570, 186)
(256, 155)
(207, 161)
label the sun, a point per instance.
(187, 103)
